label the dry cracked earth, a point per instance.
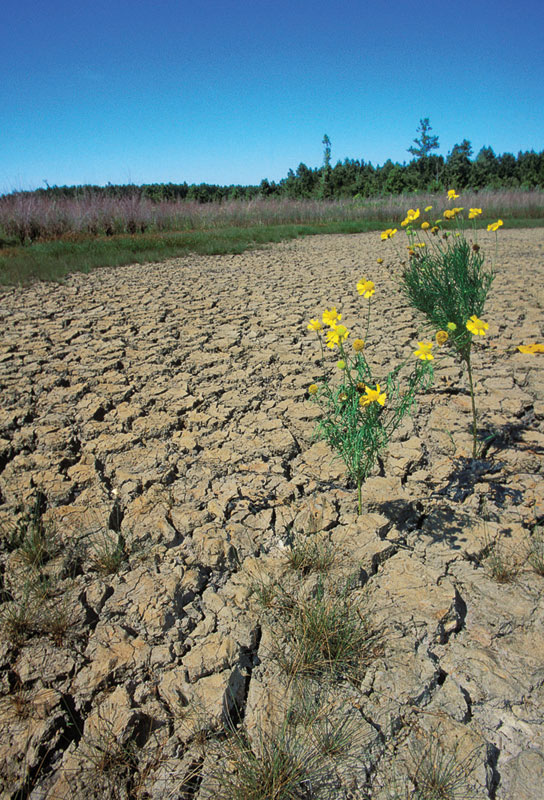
(153, 611)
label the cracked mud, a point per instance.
(161, 413)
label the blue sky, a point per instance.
(234, 91)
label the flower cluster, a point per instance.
(444, 278)
(359, 412)
(411, 216)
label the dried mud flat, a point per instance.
(162, 412)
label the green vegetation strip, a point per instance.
(52, 261)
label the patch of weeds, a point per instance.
(39, 607)
(273, 765)
(57, 618)
(328, 634)
(331, 724)
(271, 593)
(109, 766)
(266, 592)
(19, 618)
(118, 763)
(310, 554)
(432, 772)
(20, 698)
(536, 551)
(35, 539)
(440, 774)
(335, 738)
(108, 553)
(500, 562)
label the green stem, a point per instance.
(359, 497)
(367, 323)
(322, 355)
(474, 416)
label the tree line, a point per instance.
(354, 178)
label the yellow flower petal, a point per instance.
(477, 326)
(531, 348)
(365, 288)
(424, 351)
(315, 325)
(373, 396)
(331, 316)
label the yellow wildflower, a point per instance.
(420, 244)
(531, 348)
(449, 214)
(441, 337)
(451, 326)
(379, 260)
(331, 317)
(365, 288)
(315, 325)
(358, 345)
(428, 208)
(494, 226)
(424, 351)
(373, 396)
(425, 225)
(312, 389)
(477, 326)
(435, 229)
(336, 336)
(411, 216)
(388, 234)
(452, 195)
(474, 212)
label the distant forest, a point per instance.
(353, 178)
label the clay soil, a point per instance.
(160, 415)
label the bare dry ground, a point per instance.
(161, 412)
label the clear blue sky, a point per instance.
(233, 91)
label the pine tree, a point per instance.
(426, 142)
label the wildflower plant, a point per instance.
(444, 278)
(360, 411)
